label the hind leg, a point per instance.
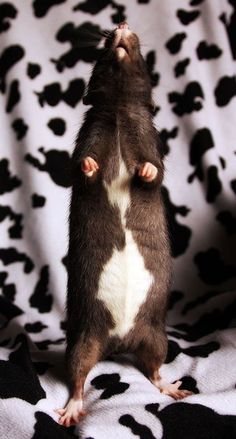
(81, 358)
(151, 354)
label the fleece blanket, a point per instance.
(47, 52)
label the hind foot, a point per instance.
(72, 413)
(172, 389)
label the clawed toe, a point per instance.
(89, 166)
(71, 419)
(148, 172)
(60, 412)
(178, 394)
(71, 414)
(173, 390)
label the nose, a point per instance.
(123, 25)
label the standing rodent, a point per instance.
(119, 263)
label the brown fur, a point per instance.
(120, 95)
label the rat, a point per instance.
(119, 261)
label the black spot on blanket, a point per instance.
(119, 14)
(19, 379)
(111, 383)
(15, 230)
(208, 51)
(201, 142)
(206, 324)
(38, 200)
(10, 56)
(199, 301)
(222, 162)
(214, 185)
(3, 276)
(187, 17)
(11, 255)
(83, 40)
(41, 8)
(7, 181)
(40, 298)
(33, 70)
(203, 350)
(212, 269)
(196, 2)
(225, 90)
(8, 311)
(181, 67)
(91, 6)
(179, 233)
(44, 344)
(137, 429)
(230, 25)
(13, 95)
(41, 367)
(187, 102)
(189, 383)
(8, 290)
(7, 12)
(175, 296)
(174, 44)
(46, 428)
(151, 61)
(57, 125)
(53, 95)
(57, 165)
(193, 420)
(35, 327)
(20, 128)
(165, 135)
(228, 221)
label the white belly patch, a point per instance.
(124, 282)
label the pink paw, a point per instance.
(174, 391)
(147, 172)
(71, 414)
(89, 166)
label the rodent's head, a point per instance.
(120, 75)
(124, 44)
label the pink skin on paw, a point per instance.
(72, 413)
(147, 172)
(89, 166)
(172, 389)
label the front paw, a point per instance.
(89, 166)
(147, 172)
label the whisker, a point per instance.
(88, 44)
(108, 35)
(84, 46)
(87, 33)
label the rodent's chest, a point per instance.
(118, 190)
(124, 282)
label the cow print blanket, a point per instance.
(47, 51)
